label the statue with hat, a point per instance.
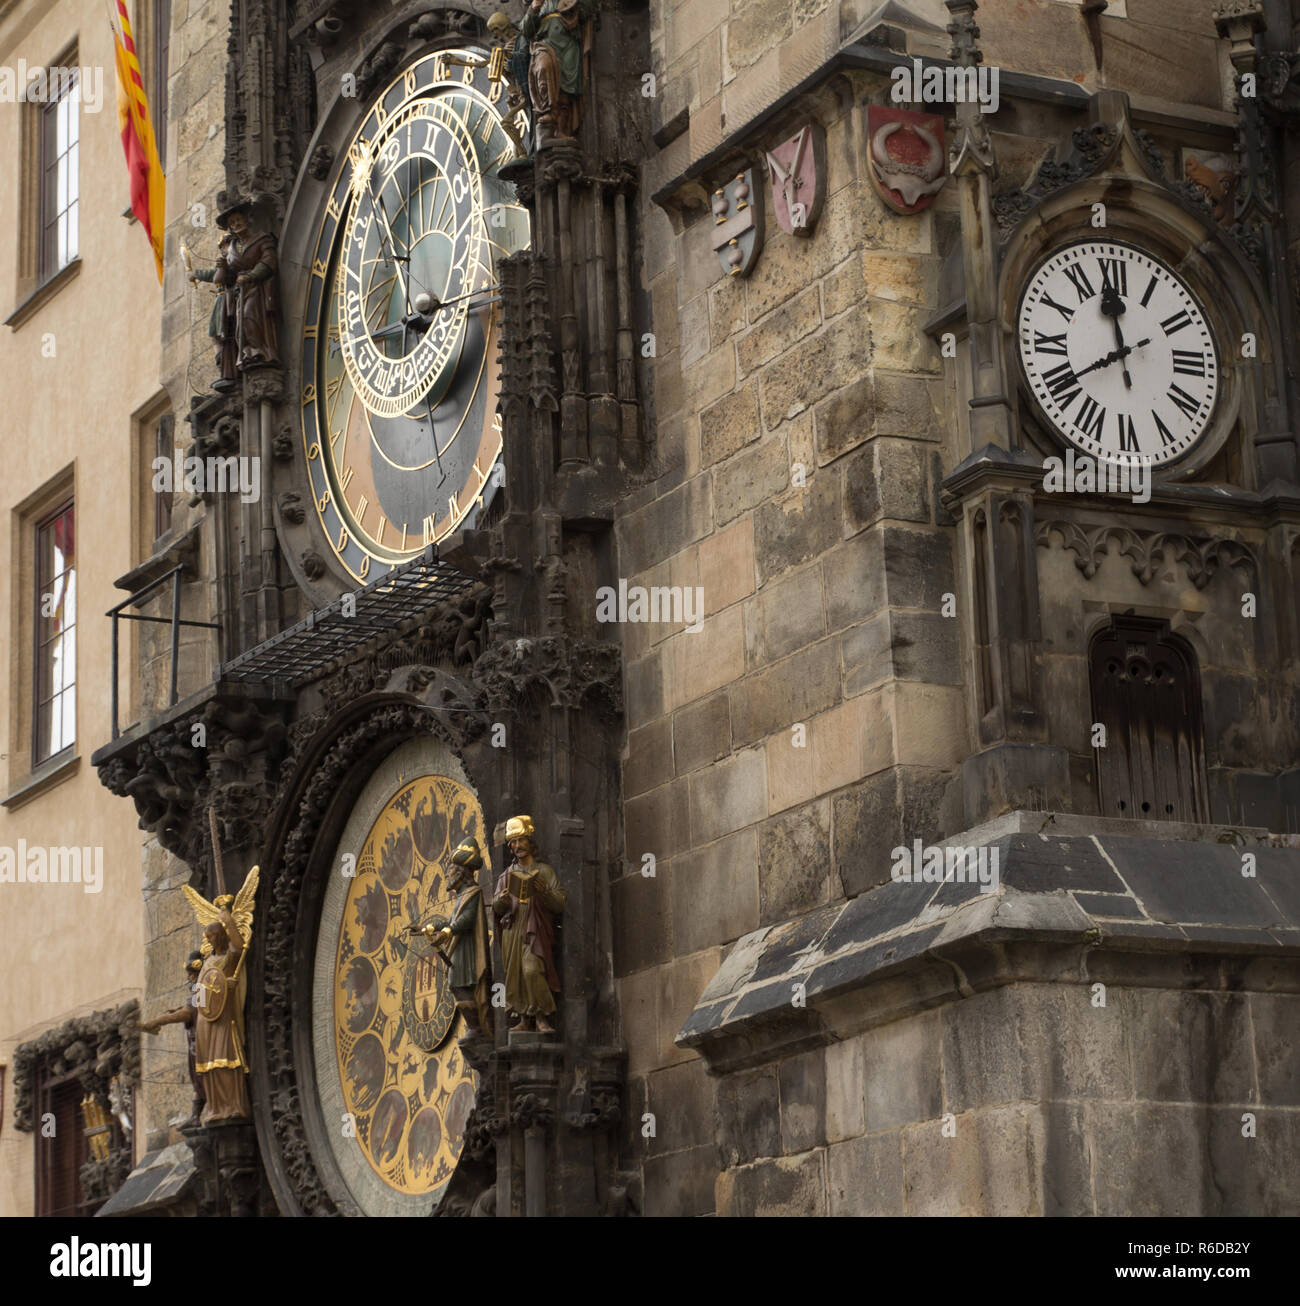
(253, 263)
(528, 898)
(186, 1016)
(555, 32)
(463, 941)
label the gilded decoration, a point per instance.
(405, 1083)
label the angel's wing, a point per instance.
(204, 912)
(242, 910)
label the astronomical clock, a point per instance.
(395, 1091)
(1118, 353)
(399, 343)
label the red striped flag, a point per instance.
(138, 143)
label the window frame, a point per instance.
(160, 23)
(46, 1086)
(47, 212)
(39, 524)
(164, 504)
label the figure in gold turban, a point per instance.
(464, 939)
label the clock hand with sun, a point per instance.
(387, 248)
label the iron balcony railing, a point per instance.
(174, 621)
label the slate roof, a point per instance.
(1125, 892)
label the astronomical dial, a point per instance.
(399, 359)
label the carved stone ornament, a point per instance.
(322, 160)
(1090, 145)
(1147, 550)
(797, 171)
(282, 444)
(567, 669)
(905, 157)
(738, 223)
(224, 755)
(292, 509)
(103, 1050)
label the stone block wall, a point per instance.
(771, 752)
(1028, 1100)
(720, 60)
(803, 422)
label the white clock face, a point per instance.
(1118, 353)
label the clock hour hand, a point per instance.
(1112, 306)
(426, 306)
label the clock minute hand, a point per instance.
(1113, 357)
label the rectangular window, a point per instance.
(60, 132)
(60, 1156)
(55, 624)
(164, 434)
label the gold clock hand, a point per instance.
(377, 208)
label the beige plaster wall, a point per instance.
(64, 951)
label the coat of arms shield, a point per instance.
(738, 223)
(797, 169)
(906, 156)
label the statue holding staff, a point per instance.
(219, 1047)
(528, 898)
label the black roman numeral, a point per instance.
(1061, 384)
(1091, 417)
(1045, 344)
(1081, 283)
(1166, 435)
(1184, 401)
(1114, 273)
(1128, 436)
(1174, 324)
(1066, 313)
(1189, 362)
(1149, 291)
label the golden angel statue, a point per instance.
(219, 1055)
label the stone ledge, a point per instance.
(1062, 903)
(162, 1180)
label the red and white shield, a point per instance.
(797, 169)
(906, 156)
